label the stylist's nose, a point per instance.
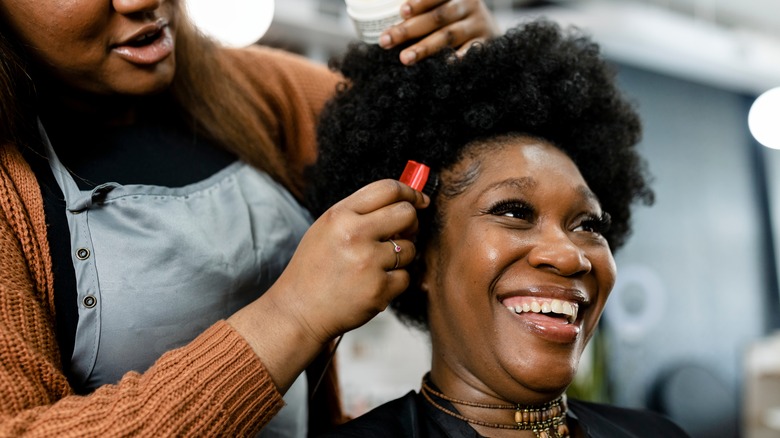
(127, 7)
(553, 250)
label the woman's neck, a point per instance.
(62, 102)
(456, 381)
(89, 110)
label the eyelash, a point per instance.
(598, 224)
(501, 208)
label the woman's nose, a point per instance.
(128, 7)
(554, 250)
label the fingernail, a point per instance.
(385, 40)
(408, 57)
(406, 10)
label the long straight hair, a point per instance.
(219, 108)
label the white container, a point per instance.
(372, 17)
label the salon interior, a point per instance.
(692, 328)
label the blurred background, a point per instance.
(691, 327)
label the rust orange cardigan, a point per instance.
(215, 385)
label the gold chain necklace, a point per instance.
(545, 421)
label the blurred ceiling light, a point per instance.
(764, 119)
(235, 23)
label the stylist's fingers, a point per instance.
(383, 193)
(443, 23)
(465, 47)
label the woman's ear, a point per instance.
(429, 268)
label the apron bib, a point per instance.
(155, 266)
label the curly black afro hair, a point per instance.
(537, 80)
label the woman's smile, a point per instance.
(549, 313)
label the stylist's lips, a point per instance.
(149, 45)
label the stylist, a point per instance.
(149, 218)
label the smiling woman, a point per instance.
(534, 150)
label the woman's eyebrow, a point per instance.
(523, 183)
(528, 183)
(586, 192)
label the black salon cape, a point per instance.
(413, 417)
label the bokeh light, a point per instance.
(764, 119)
(235, 23)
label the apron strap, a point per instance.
(76, 200)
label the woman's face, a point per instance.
(519, 276)
(98, 46)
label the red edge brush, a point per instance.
(419, 177)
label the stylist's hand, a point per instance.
(344, 270)
(440, 23)
(342, 274)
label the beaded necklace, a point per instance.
(545, 421)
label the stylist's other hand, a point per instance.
(344, 271)
(440, 24)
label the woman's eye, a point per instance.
(595, 224)
(513, 209)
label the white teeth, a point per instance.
(554, 306)
(573, 316)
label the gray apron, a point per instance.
(155, 266)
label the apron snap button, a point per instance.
(89, 301)
(82, 253)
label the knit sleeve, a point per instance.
(290, 90)
(216, 385)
